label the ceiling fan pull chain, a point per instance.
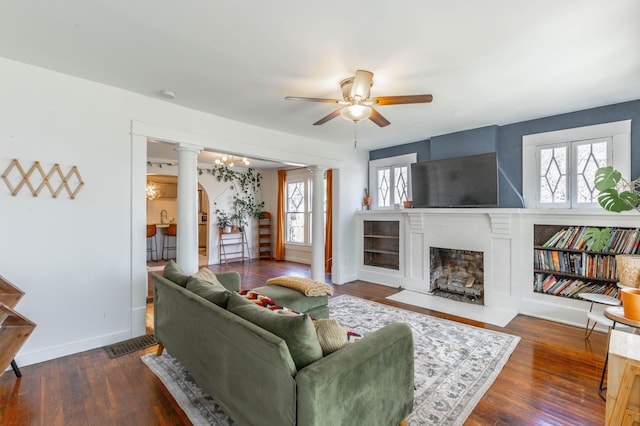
(355, 139)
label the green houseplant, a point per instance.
(223, 220)
(246, 185)
(617, 194)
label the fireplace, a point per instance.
(457, 274)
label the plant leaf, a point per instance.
(596, 239)
(610, 200)
(607, 178)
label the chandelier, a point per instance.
(153, 190)
(230, 160)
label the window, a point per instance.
(298, 214)
(559, 167)
(390, 180)
(566, 171)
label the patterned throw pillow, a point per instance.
(266, 302)
(207, 275)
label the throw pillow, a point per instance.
(296, 330)
(207, 275)
(173, 272)
(213, 293)
(266, 302)
(331, 335)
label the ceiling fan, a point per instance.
(357, 103)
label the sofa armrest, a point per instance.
(230, 280)
(368, 382)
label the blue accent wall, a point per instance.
(468, 142)
(507, 141)
(422, 148)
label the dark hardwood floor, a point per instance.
(551, 378)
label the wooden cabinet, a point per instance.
(14, 328)
(233, 247)
(381, 243)
(564, 266)
(264, 236)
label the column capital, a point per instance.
(181, 146)
(317, 169)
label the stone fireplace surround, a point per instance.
(505, 236)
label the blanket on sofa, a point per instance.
(306, 286)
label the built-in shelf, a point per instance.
(563, 266)
(381, 243)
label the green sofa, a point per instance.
(251, 374)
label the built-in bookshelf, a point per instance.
(564, 265)
(382, 243)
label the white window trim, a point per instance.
(618, 131)
(374, 165)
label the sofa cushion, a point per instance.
(213, 293)
(296, 330)
(207, 275)
(173, 272)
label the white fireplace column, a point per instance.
(317, 227)
(187, 239)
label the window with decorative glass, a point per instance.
(390, 180)
(566, 172)
(298, 215)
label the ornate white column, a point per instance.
(187, 240)
(317, 227)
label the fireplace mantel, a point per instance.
(506, 238)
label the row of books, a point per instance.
(622, 240)
(571, 287)
(586, 264)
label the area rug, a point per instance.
(455, 364)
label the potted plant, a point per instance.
(223, 221)
(366, 200)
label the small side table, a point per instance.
(615, 314)
(597, 317)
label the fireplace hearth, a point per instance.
(457, 274)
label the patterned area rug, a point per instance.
(455, 364)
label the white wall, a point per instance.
(73, 258)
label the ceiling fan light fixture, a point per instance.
(356, 112)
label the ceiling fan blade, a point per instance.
(326, 118)
(298, 98)
(407, 99)
(377, 118)
(361, 84)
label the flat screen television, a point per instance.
(470, 181)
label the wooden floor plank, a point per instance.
(551, 379)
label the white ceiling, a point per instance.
(485, 62)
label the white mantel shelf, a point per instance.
(505, 236)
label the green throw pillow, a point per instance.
(296, 330)
(173, 272)
(213, 293)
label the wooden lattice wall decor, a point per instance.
(73, 177)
